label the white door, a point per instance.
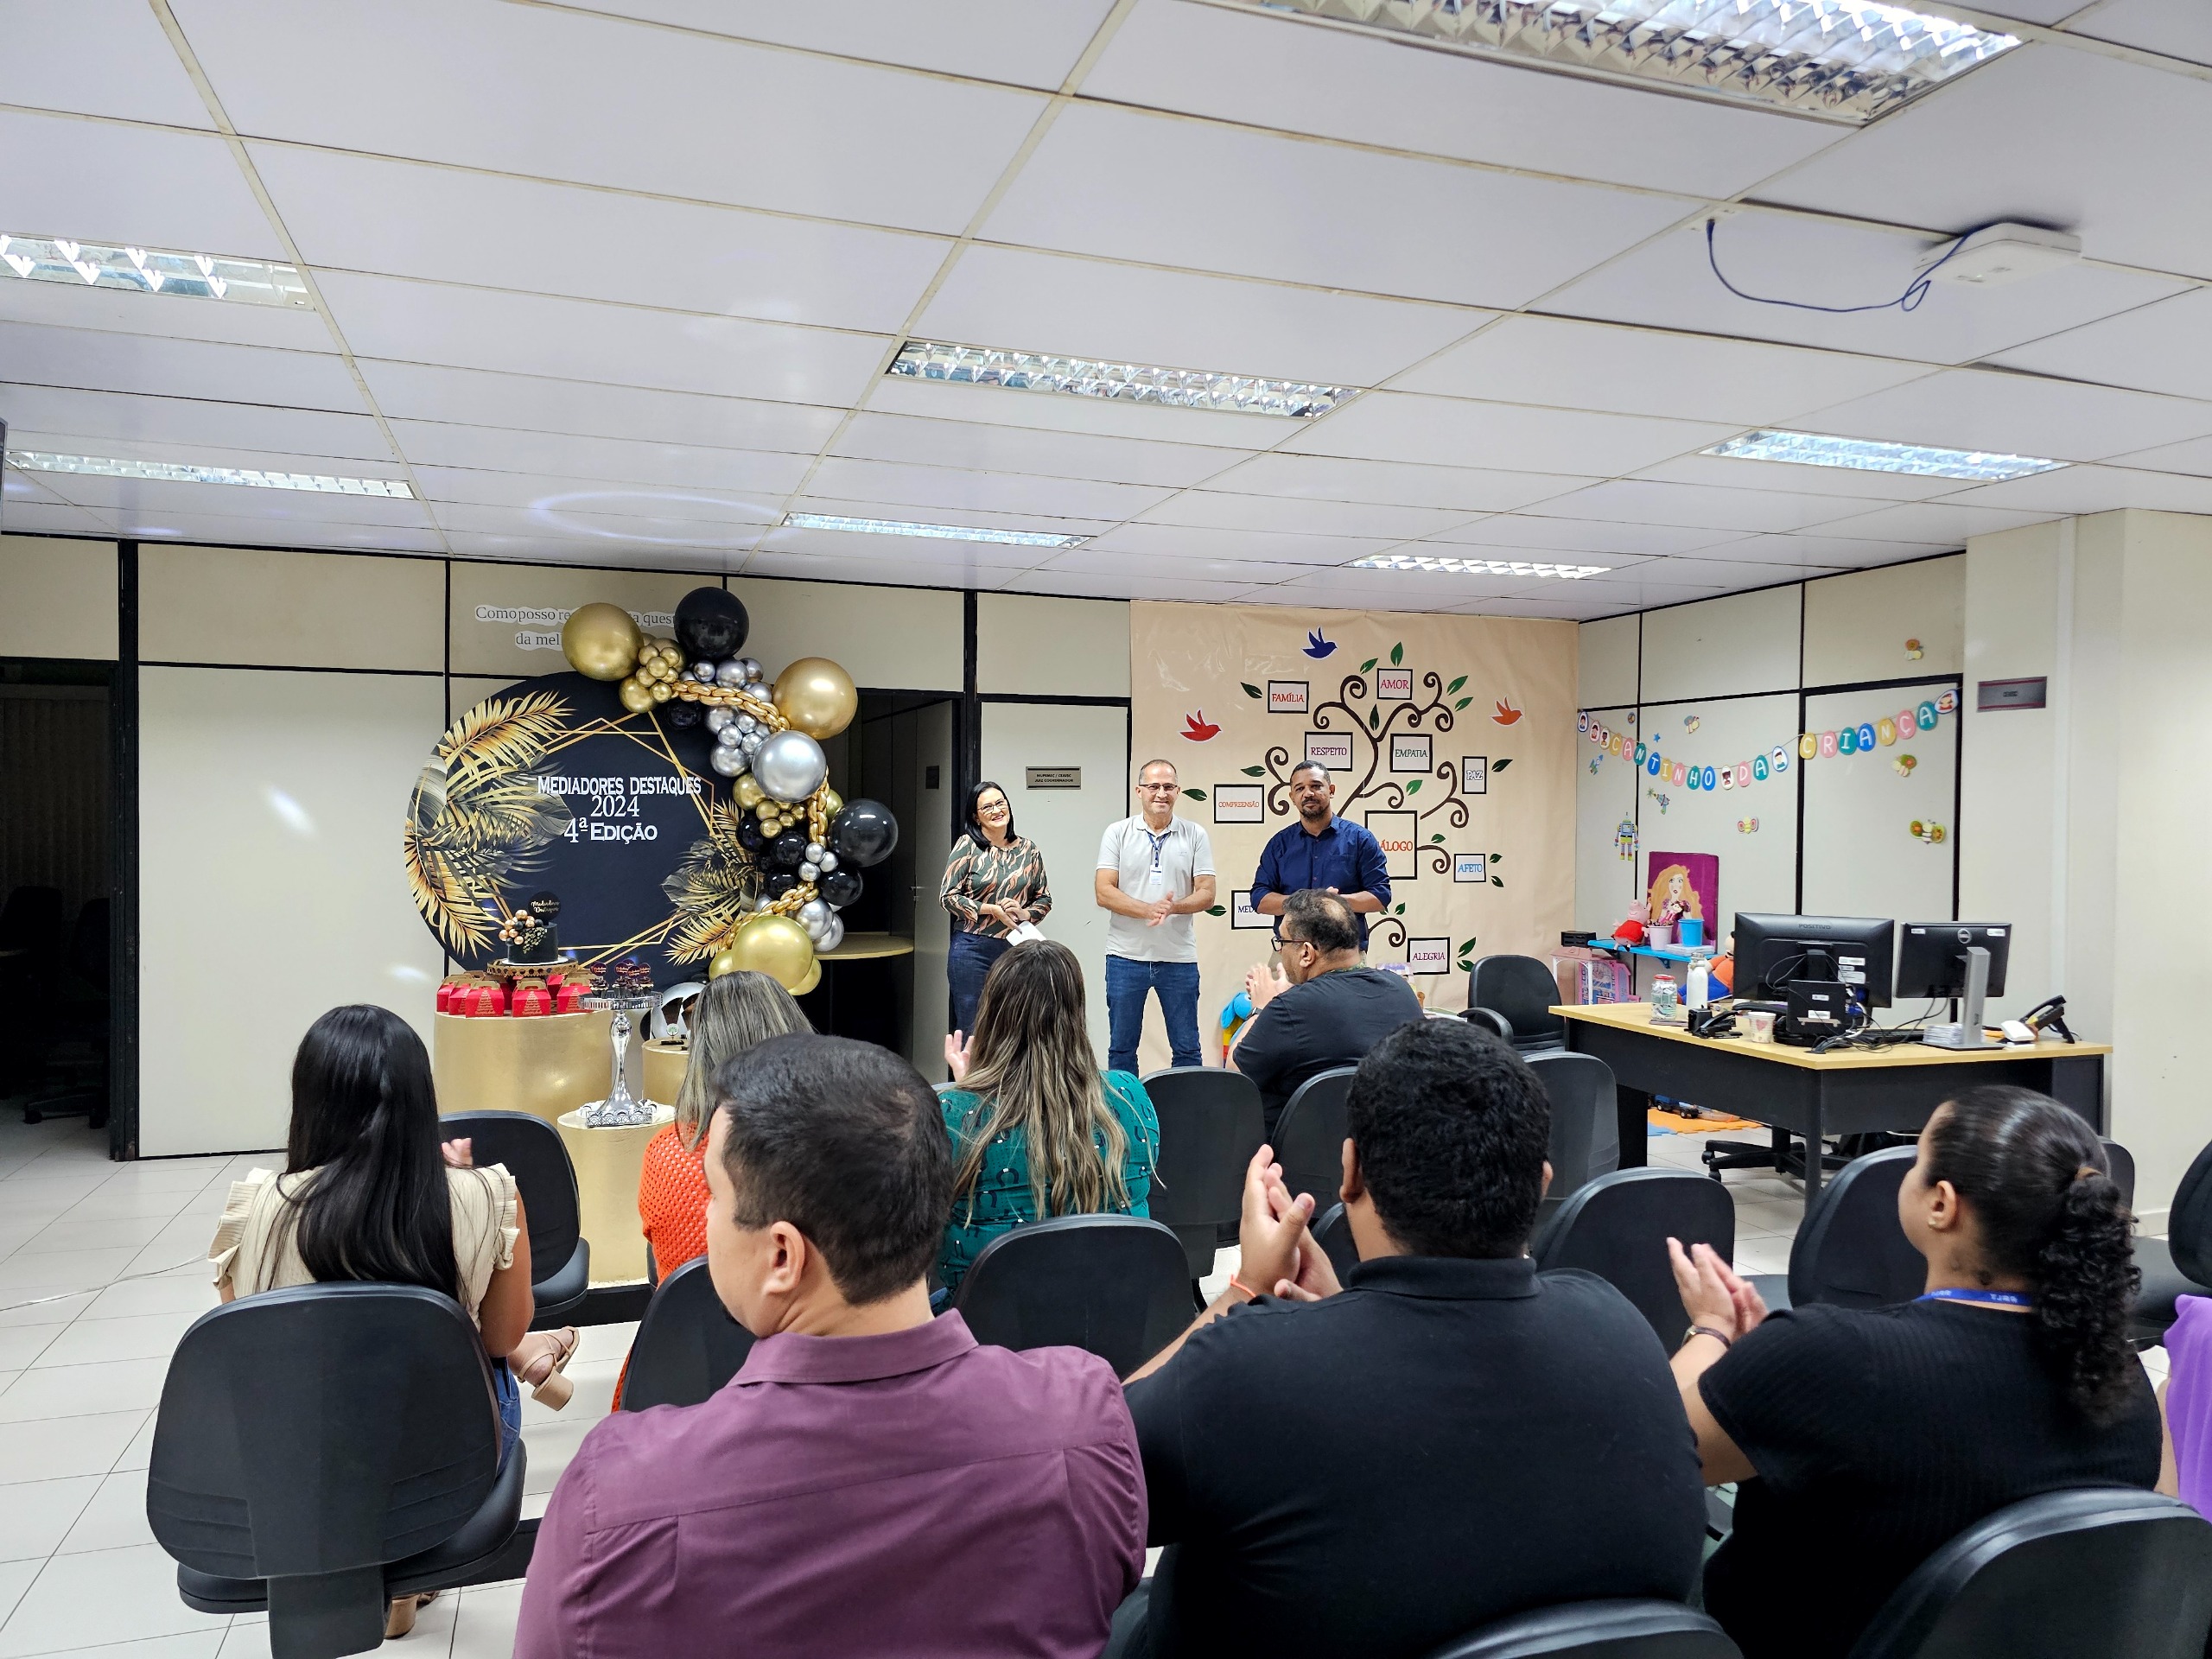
(1066, 824)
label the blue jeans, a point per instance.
(966, 965)
(1127, 983)
(508, 1392)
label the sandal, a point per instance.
(543, 1376)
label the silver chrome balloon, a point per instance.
(703, 672)
(814, 852)
(729, 673)
(718, 718)
(808, 873)
(727, 759)
(814, 915)
(729, 737)
(832, 936)
(789, 766)
(751, 665)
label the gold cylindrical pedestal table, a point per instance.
(607, 1164)
(664, 1063)
(545, 1063)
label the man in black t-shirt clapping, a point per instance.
(1447, 1438)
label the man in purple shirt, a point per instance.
(873, 1481)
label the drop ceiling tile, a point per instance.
(1330, 478)
(2166, 346)
(1530, 359)
(554, 95)
(215, 530)
(2194, 457)
(1934, 524)
(1176, 540)
(23, 489)
(556, 497)
(1028, 300)
(1272, 70)
(55, 519)
(1112, 417)
(1845, 483)
(1074, 585)
(1013, 41)
(1306, 599)
(677, 528)
(362, 214)
(1427, 590)
(557, 456)
(964, 518)
(956, 491)
(2018, 414)
(1819, 548)
(430, 391)
(1539, 536)
(2178, 28)
(1172, 192)
(98, 57)
(1089, 562)
(180, 424)
(92, 361)
(1455, 432)
(241, 502)
(1697, 572)
(847, 557)
(2108, 149)
(614, 554)
(1574, 608)
(2046, 12)
(1669, 283)
(579, 339)
(95, 182)
(1215, 510)
(2092, 489)
(985, 448)
(117, 310)
(1637, 501)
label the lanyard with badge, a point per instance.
(1979, 1298)
(1159, 842)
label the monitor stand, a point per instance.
(1968, 1033)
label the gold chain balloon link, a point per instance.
(817, 826)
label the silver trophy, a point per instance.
(620, 1109)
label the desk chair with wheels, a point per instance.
(1488, 1019)
(1309, 1139)
(2098, 1570)
(1332, 1232)
(1849, 1250)
(1585, 1139)
(1209, 1127)
(687, 1345)
(560, 1256)
(1618, 1228)
(2180, 1264)
(322, 1450)
(1523, 989)
(1115, 1285)
(1598, 1630)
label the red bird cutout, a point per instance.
(1507, 713)
(1198, 728)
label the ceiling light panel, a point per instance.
(171, 472)
(151, 270)
(1844, 60)
(1139, 382)
(1863, 455)
(1476, 566)
(942, 532)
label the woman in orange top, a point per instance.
(735, 1013)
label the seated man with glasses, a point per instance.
(1155, 872)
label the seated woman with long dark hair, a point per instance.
(370, 1193)
(1865, 1438)
(1037, 1129)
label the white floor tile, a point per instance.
(39, 1307)
(71, 1232)
(549, 1446)
(66, 1446)
(196, 1644)
(139, 1455)
(147, 1336)
(24, 1275)
(63, 1391)
(112, 1595)
(15, 1577)
(484, 1621)
(37, 1516)
(176, 1293)
(21, 1344)
(114, 1519)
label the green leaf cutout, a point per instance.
(1397, 910)
(1413, 788)
(1500, 766)
(1455, 686)
(1463, 703)
(1252, 772)
(1468, 946)
(1374, 720)
(1397, 654)
(1250, 690)
(1368, 664)
(1215, 910)
(1434, 840)
(1494, 882)
(1194, 794)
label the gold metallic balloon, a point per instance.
(661, 692)
(832, 801)
(637, 697)
(816, 697)
(813, 978)
(776, 946)
(725, 961)
(602, 641)
(748, 790)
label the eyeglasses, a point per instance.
(1160, 789)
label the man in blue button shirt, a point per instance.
(1322, 850)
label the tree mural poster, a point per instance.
(1451, 738)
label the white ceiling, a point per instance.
(619, 283)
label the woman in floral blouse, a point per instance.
(994, 883)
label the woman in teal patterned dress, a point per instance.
(1037, 1130)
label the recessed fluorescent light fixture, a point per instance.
(1864, 455)
(1846, 60)
(151, 270)
(1476, 566)
(171, 472)
(942, 532)
(1136, 383)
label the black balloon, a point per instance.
(788, 850)
(710, 625)
(863, 832)
(839, 888)
(749, 834)
(778, 884)
(681, 714)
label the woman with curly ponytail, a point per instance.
(1871, 1436)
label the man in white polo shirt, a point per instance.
(1155, 872)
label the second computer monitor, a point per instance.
(1932, 957)
(1771, 951)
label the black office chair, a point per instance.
(1618, 1228)
(687, 1345)
(1525, 990)
(322, 1450)
(75, 1060)
(1849, 1250)
(1209, 1127)
(1332, 1232)
(2180, 1264)
(1586, 1120)
(1309, 1140)
(560, 1255)
(2098, 1570)
(1598, 1630)
(2121, 1162)
(1115, 1285)
(1488, 1019)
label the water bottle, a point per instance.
(1697, 989)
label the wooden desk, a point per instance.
(1849, 1092)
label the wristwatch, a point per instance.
(1697, 1330)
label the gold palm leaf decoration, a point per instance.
(713, 889)
(477, 818)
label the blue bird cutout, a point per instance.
(1317, 647)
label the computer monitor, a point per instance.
(1932, 957)
(1771, 951)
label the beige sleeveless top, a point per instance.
(256, 1249)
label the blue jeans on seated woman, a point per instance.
(508, 1393)
(966, 965)
(1128, 983)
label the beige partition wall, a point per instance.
(57, 598)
